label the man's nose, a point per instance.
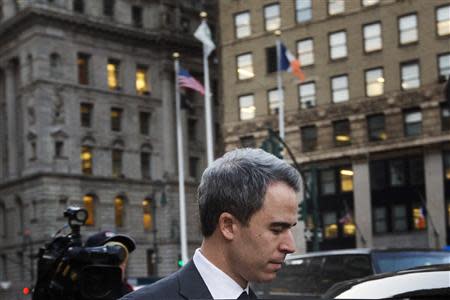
(288, 244)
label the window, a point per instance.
(372, 37)
(247, 141)
(346, 179)
(445, 116)
(416, 171)
(407, 26)
(192, 124)
(89, 205)
(339, 88)
(307, 94)
(374, 82)
(20, 217)
(444, 65)
(3, 220)
(338, 45)
(327, 182)
(136, 16)
(376, 127)
(119, 211)
(55, 65)
(380, 219)
(447, 166)
(410, 75)
(4, 268)
(336, 7)
(272, 18)
(78, 6)
(413, 122)
(86, 114)
(242, 25)
(369, 2)
(341, 130)
(309, 138)
(247, 107)
(193, 166)
(397, 172)
(443, 20)
(113, 74)
(330, 225)
(245, 66)
(116, 158)
(59, 149)
(144, 122)
(147, 214)
(399, 220)
(305, 52)
(273, 97)
(271, 60)
(86, 160)
(303, 10)
(145, 165)
(116, 119)
(83, 68)
(142, 87)
(108, 8)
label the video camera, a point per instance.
(68, 270)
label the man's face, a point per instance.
(260, 248)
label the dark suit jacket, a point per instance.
(186, 283)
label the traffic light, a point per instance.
(26, 291)
(272, 145)
(302, 211)
(180, 262)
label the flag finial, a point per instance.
(277, 32)
(203, 15)
(176, 55)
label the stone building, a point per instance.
(370, 122)
(87, 118)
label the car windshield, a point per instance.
(392, 261)
(314, 275)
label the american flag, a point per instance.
(187, 81)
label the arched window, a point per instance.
(55, 65)
(147, 207)
(119, 211)
(89, 205)
(78, 6)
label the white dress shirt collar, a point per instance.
(220, 285)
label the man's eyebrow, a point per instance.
(282, 224)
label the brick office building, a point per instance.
(87, 118)
(370, 117)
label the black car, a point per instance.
(430, 282)
(312, 274)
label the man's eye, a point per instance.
(277, 230)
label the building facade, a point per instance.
(370, 123)
(87, 118)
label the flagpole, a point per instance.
(280, 87)
(208, 114)
(183, 235)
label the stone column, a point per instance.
(3, 118)
(363, 203)
(10, 95)
(434, 189)
(168, 120)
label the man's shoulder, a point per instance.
(166, 288)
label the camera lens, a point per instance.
(81, 215)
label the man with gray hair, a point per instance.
(248, 205)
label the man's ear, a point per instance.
(227, 225)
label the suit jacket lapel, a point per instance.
(251, 294)
(191, 283)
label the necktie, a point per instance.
(243, 296)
